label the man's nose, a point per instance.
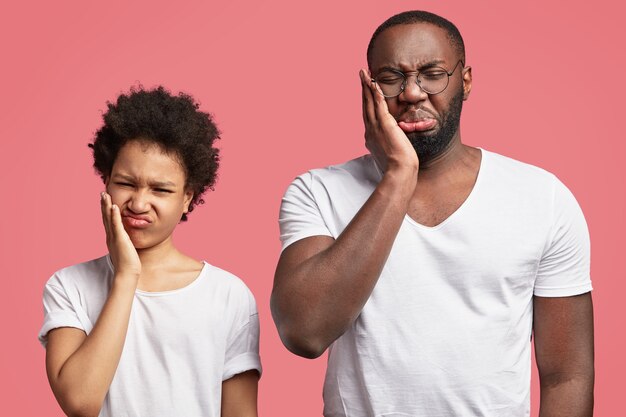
(412, 90)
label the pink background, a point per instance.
(281, 79)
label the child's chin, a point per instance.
(141, 244)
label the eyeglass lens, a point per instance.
(431, 81)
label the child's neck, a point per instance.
(159, 255)
(164, 268)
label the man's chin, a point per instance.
(427, 147)
(425, 135)
(425, 140)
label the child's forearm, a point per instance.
(239, 395)
(81, 381)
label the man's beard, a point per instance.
(430, 146)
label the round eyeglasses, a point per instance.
(432, 80)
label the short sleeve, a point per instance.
(242, 348)
(299, 213)
(58, 309)
(564, 268)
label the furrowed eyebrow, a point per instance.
(123, 177)
(129, 178)
(430, 64)
(162, 184)
(388, 69)
(426, 65)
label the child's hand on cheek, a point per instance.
(121, 249)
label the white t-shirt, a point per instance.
(180, 344)
(446, 330)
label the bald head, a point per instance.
(419, 16)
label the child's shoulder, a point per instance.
(226, 282)
(222, 277)
(84, 274)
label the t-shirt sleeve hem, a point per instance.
(563, 291)
(56, 320)
(242, 363)
(320, 231)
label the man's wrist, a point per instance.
(398, 184)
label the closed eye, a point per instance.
(434, 74)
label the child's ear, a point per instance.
(187, 201)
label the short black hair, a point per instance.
(420, 16)
(174, 122)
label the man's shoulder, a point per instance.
(509, 163)
(506, 169)
(361, 169)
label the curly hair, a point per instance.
(173, 122)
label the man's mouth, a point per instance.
(417, 121)
(419, 126)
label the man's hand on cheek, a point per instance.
(387, 143)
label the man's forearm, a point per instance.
(567, 396)
(314, 302)
(563, 330)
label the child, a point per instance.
(147, 330)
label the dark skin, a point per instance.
(311, 313)
(321, 284)
(563, 333)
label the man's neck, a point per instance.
(446, 163)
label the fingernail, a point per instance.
(102, 195)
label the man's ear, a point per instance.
(467, 82)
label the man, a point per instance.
(426, 265)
